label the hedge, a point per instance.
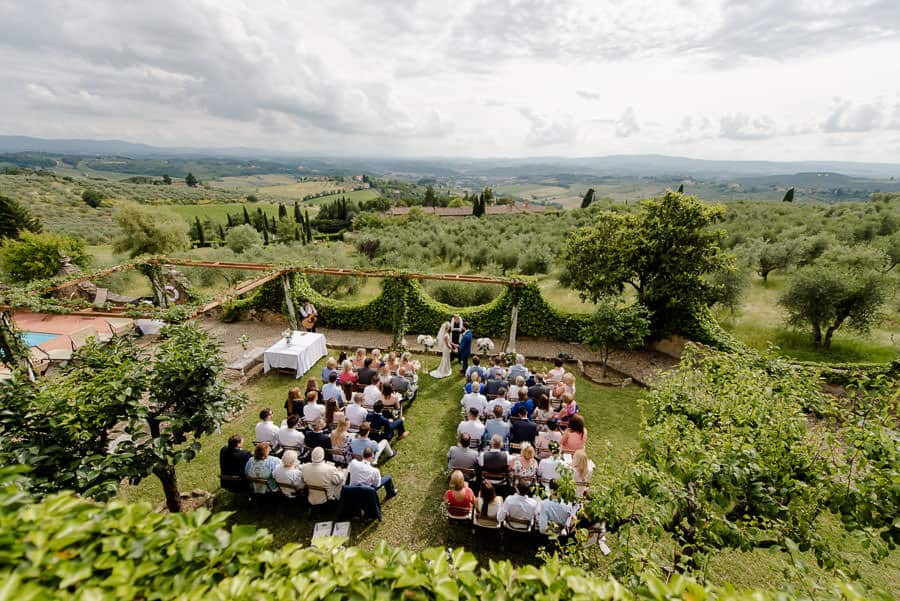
(424, 314)
(68, 547)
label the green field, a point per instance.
(218, 212)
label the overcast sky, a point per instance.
(758, 79)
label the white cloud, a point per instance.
(546, 131)
(627, 124)
(848, 117)
(744, 127)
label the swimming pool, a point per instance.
(36, 338)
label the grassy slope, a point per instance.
(413, 520)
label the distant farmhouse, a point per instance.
(512, 209)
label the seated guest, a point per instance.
(384, 374)
(459, 498)
(289, 435)
(322, 474)
(372, 392)
(461, 457)
(365, 375)
(475, 400)
(512, 392)
(406, 361)
(519, 371)
(548, 468)
(495, 368)
(392, 362)
(347, 376)
(568, 381)
(582, 472)
(568, 410)
(363, 472)
(340, 441)
(401, 384)
(522, 430)
(495, 460)
(363, 442)
(317, 438)
(294, 403)
(333, 390)
(493, 385)
(520, 505)
(384, 425)
(476, 377)
(332, 414)
(545, 437)
(575, 436)
(488, 503)
(262, 467)
(497, 426)
(355, 412)
(266, 430)
(359, 359)
(475, 368)
(502, 401)
(472, 426)
(537, 390)
(553, 511)
(312, 410)
(389, 398)
(524, 466)
(556, 373)
(312, 386)
(543, 412)
(523, 401)
(288, 475)
(232, 461)
(377, 362)
(330, 368)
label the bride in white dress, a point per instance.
(443, 344)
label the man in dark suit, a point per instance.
(465, 347)
(317, 438)
(492, 387)
(232, 460)
(523, 430)
(456, 330)
(537, 390)
(366, 373)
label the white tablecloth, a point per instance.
(301, 354)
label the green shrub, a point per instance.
(37, 256)
(462, 294)
(242, 238)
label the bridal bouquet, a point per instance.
(426, 341)
(485, 345)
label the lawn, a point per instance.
(218, 212)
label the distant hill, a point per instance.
(647, 165)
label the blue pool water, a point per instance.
(36, 338)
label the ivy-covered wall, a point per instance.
(423, 313)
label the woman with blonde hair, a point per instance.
(406, 361)
(377, 363)
(392, 362)
(359, 359)
(460, 499)
(476, 377)
(330, 366)
(347, 375)
(340, 440)
(512, 392)
(294, 403)
(568, 410)
(524, 466)
(582, 472)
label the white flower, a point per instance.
(287, 334)
(485, 344)
(425, 340)
(420, 338)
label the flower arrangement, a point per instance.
(485, 345)
(286, 334)
(426, 341)
(245, 341)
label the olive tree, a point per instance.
(614, 327)
(242, 238)
(846, 285)
(150, 230)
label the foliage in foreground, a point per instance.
(37, 256)
(727, 460)
(117, 413)
(64, 546)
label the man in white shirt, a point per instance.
(472, 426)
(475, 399)
(363, 472)
(333, 391)
(520, 506)
(372, 393)
(289, 435)
(502, 401)
(266, 430)
(553, 511)
(355, 412)
(312, 410)
(548, 468)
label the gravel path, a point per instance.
(642, 365)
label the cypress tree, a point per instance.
(588, 198)
(246, 216)
(201, 238)
(298, 216)
(265, 237)
(681, 189)
(221, 233)
(282, 211)
(230, 222)
(788, 196)
(296, 233)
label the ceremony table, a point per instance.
(304, 349)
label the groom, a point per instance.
(465, 347)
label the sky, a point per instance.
(716, 79)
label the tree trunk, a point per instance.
(817, 335)
(830, 332)
(166, 475)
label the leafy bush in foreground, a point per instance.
(67, 547)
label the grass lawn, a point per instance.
(218, 212)
(355, 195)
